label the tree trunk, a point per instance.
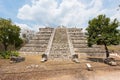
(107, 52)
(5, 46)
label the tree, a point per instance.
(102, 31)
(9, 33)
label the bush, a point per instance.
(8, 54)
(14, 53)
(5, 54)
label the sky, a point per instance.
(33, 14)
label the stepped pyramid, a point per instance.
(39, 43)
(79, 42)
(60, 43)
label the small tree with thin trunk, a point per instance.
(9, 34)
(102, 31)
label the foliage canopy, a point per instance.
(9, 33)
(103, 31)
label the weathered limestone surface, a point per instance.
(61, 42)
(38, 44)
(60, 46)
(79, 41)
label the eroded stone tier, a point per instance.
(38, 44)
(79, 41)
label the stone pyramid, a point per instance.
(60, 43)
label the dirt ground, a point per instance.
(33, 69)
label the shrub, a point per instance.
(5, 54)
(14, 53)
(8, 54)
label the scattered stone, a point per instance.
(75, 58)
(114, 55)
(113, 63)
(32, 66)
(16, 59)
(110, 61)
(44, 58)
(89, 67)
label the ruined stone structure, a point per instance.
(39, 43)
(60, 43)
(79, 42)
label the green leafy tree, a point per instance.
(102, 31)
(9, 33)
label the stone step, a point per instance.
(43, 35)
(36, 45)
(49, 32)
(75, 33)
(79, 42)
(89, 50)
(40, 38)
(74, 30)
(46, 29)
(59, 50)
(54, 48)
(97, 46)
(85, 45)
(80, 45)
(60, 47)
(30, 53)
(59, 56)
(78, 38)
(38, 41)
(97, 54)
(33, 49)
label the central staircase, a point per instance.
(60, 47)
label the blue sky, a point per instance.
(33, 14)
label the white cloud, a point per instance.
(117, 15)
(23, 26)
(36, 27)
(69, 12)
(26, 27)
